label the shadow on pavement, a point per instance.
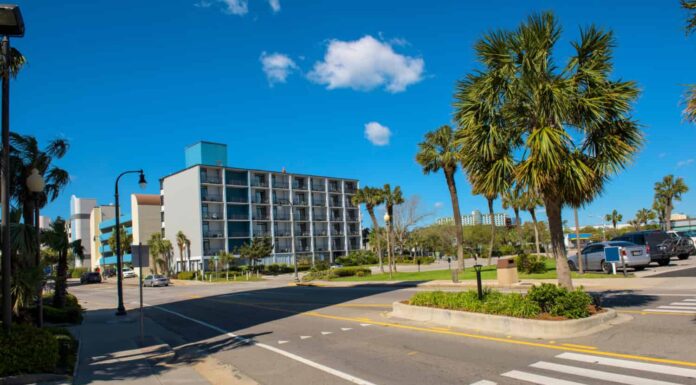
(625, 298)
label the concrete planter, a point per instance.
(509, 326)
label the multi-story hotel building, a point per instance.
(477, 218)
(221, 208)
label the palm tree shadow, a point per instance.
(623, 299)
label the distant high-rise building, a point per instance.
(477, 218)
(80, 209)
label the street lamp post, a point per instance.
(387, 222)
(36, 184)
(121, 310)
(11, 25)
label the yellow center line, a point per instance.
(563, 347)
(580, 346)
(648, 312)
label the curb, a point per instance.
(511, 326)
(77, 354)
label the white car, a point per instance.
(633, 255)
(156, 280)
(128, 272)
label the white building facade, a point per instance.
(80, 210)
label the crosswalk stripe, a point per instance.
(537, 379)
(654, 368)
(484, 382)
(325, 333)
(305, 337)
(671, 311)
(689, 300)
(678, 307)
(683, 304)
(598, 374)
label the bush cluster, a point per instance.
(186, 275)
(409, 259)
(546, 298)
(358, 258)
(67, 348)
(561, 302)
(77, 272)
(530, 264)
(27, 349)
(71, 313)
(337, 273)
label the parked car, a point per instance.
(90, 277)
(658, 244)
(684, 245)
(156, 280)
(633, 255)
(689, 234)
(128, 272)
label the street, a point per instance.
(280, 334)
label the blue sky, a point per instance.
(293, 84)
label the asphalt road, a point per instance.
(280, 334)
(679, 273)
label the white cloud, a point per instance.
(683, 163)
(377, 134)
(365, 64)
(236, 7)
(438, 205)
(277, 67)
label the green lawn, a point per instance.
(488, 272)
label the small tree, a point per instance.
(614, 217)
(667, 191)
(256, 250)
(225, 258)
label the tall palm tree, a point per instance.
(690, 111)
(181, 242)
(643, 216)
(530, 201)
(521, 109)
(614, 217)
(26, 155)
(371, 197)
(690, 5)
(438, 152)
(56, 238)
(167, 252)
(391, 198)
(670, 190)
(514, 198)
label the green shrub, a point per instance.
(507, 250)
(349, 272)
(513, 305)
(545, 295)
(573, 304)
(186, 275)
(71, 313)
(77, 272)
(530, 264)
(67, 349)
(358, 258)
(27, 349)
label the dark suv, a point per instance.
(659, 245)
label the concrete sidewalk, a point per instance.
(110, 350)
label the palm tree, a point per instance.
(614, 217)
(690, 5)
(439, 151)
(56, 238)
(391, 198)
(690, 111)
(643, 216)
(126, 241)
(667, 192)
(181, 243)
(514, 198)
(521, 109)
(167, 252)
(225, 258)
(635, 223)
(530, 201)
(371, 197)
(156, 249)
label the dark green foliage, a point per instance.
(530, 264)
(77, 272)
(545, 295)
(409, 259)
(349, 272)
(70, 313)
(507, 250)
(27, 349)
(358, 258)
(67, 349)
(186, 275)
(561, 302)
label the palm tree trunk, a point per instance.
(61, 280)
(375, 228)
(581, 268)
(518, 224)
(532, 212)
(28, 208)
(449, 176)
(553, 213)
(668, 215)
(492, 218)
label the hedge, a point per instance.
(27, 349)
(77, 272)
(71, 313)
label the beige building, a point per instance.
(96, 217)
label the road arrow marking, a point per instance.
(305, 337)
(325, 333)
(282, 342)
(346, 329)
(363, 325)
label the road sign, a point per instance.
(611, 254)
(141, 255)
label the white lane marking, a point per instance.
(670, 311)
(280, 342)
(690, 299)
(598, 374)
(346, 329)
(363, 325)
(654, 368)
(682, 304)
(315, 365)
(305, 337)
(484, 382)
(678, 307)
(537, 379)
(325, 333)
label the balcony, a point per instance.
(211, 198)
(213, 234)
(336, 218)
(282, 233)
(259, 200)
(300, 202)
(261, 233)
(335, 202)
(237, 217)
(237, 199)
(300, 248)
(334, 187)
(283, 249)
(318, 186)
(281, 201)
(281, 185)
(259, 182)
(238, 234)
(349, 188)
(282, 217)
(260, 217)
(212, 216)
(297, 185)
(213, 250)
(210, 179)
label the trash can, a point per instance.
(507, 272)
